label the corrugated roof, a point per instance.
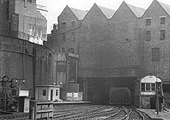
(80, 14)
(107, 12)
(165, 7)
(137, 10)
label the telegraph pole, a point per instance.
(157, 97)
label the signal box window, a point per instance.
(148, 21)
(162, 35)
(44, 92)
(147, 86)
(153, 86)
(143, 87)
(148, 35)
(64, 24)
(155, 54)
(162, 20)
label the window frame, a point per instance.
(44, 92)
(162, 35)
(164, 21)
(56, 92)
(64, 24)
(148, 36)
(155, 54)
(73, 36)
(147, 23)
(151, 88)
(73, 25)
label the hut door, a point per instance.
(152, 103)
(51, 94)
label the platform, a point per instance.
(165, 115)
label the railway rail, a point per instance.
(87, 112)
(14, 116)
(98, 112)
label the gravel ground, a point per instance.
(165, 115)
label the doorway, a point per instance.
(152, 103)
(51, 94)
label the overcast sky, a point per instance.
(55, 7)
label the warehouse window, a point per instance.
(73, 23)
(148, 21)
(148, 35)
(155, 54)
(44, 92)
(64, 24)
(162, 20)
(73, 36)
(162, 35)
(64, 37)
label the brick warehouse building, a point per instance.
(23, 61)
(115, 47)
(23, 19)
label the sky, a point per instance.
(55, 7)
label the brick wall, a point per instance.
(17, 62)
(161, 67)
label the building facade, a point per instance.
(121, 45)
(24, 63)
(21, 19)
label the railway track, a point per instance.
(87, 112)
(14, 116)
(98, 112)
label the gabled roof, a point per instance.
(136, 10)
(165, 7)
(80, 14)
(107, 12)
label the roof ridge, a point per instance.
(138, 11)
(165, 6)
(108, 12)
(80, 14)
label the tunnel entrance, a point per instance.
(97, 89)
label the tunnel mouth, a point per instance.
(98, 89)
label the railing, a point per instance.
(41, 110)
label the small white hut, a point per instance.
(47, 92)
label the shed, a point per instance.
(47, 92)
